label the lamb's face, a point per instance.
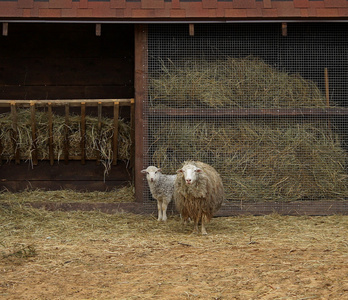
(191, 173)
(152, 173)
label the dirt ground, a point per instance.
(92, 255)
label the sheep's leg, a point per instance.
(164, 211)
(204, 232)
(195, 228)
(159, 207)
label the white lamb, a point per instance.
(162, 189)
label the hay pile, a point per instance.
(94, 141)
(230, 83)
(259, 159)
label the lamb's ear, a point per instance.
(159, 170)
(179, 171)
(199, 170)
(143, 171)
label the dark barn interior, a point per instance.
(57, 61)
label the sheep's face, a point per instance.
(152, 173)
(191, 173)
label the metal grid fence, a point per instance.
(266, 109)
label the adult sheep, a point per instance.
(198, 192)
(161, 188)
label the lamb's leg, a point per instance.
(164, 211)
(159, 208)
(195, 228)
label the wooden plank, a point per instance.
(33, 133)
(83, 133)
(50, 132)
(75, 171)
(4, 28)
(115, 135)
(140, 82)
(132, 134)
(321, 112)
(71, 102)
(311, 208)
(66, 139)
(15, 132)
(100, 111)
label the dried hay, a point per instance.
(259, 160)
(95, 141)
(231, 83)
(123, 194)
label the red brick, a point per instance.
(85, 12)
(152, 3)
(287, 9)
(327, 12)
(335, 3)
(49, 12)
(177, 13)
(83, 4)
(25, 3)
(301, 3)
(244, 4)
(176, 4)
(235, 13)
(143, 13)
(69, 13)
(60, 4)
(117, 3)
(10, 10)
(254, 12)
(27, 13)
(106, 12)
(267, 4)
(304, 13)
(209, 3)
(343, 12)
(270, 13)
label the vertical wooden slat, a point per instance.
(100, 111)
(33, 132)
(140, 83)
(50, 132)
(115, 136)
(284, 29)
(83, 133)
(132, 133)
(66, 142)
(15, 132)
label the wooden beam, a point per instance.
(132, 133)
(4, 29)
(50, 132)
(140, 83)
(98, 29)
(15, 132)
(66, 141)
(192, 29)
(284, 29)
(33, 133)
(100, 110)
(83, 133)
(115, 135)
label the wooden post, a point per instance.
(192, 29)
(15, 132)
(66, 144)
(140, 84)
(83, 133)
(115, 136)
(132, 133)
(100, 108)
(50, 132)
(98, 29)
(284, 29)
(33, 133)
(5, 29)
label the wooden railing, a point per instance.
(115, 104)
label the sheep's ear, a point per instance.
(180, 171)
(143, 171)
(159, 170)
(199, 170)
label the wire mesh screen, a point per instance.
(266, 110)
